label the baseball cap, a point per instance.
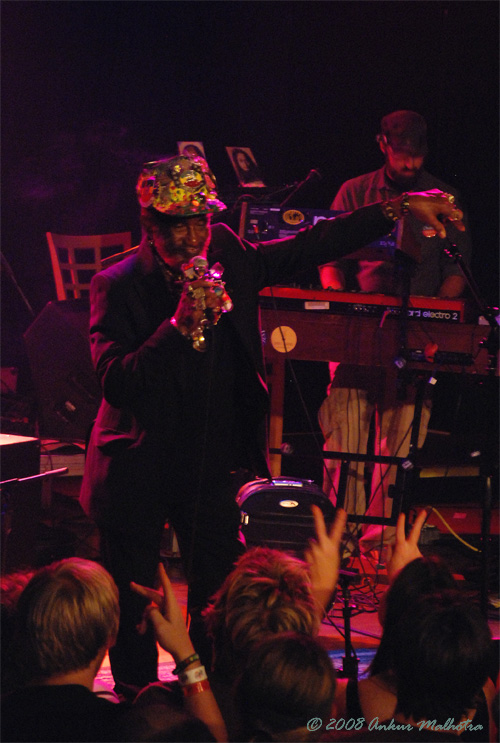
(404, 131)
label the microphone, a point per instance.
(311, 177)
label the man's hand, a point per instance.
(435, 208)
(166, 616)
(199, 299)
(323, 555)
(405, 549)
(202, 302)
(332, 278)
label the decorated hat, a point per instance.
(405, 131)
(179, 186)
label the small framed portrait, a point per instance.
(245, 166)
(192, 149)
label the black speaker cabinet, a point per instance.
(277, 513)
(66, 385)
(21, 499)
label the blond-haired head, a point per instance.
(67, 614)
(268, 592)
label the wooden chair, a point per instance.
(76, 258)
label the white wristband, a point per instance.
(192, 676)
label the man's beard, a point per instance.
(402, 180)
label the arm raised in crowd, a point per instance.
(167, 618)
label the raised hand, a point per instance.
(405, 549)
(166, 616)
(323, 554)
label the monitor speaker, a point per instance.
(67, 389)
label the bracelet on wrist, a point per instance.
(196, 688)
(404, 207)
(192, 675)
(388, 211)
(185, 663)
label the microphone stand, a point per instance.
(313, 175)
(350, 661)
(12, 277)
(407, 255)
(490, 342)
(404, 265)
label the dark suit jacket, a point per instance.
(141, 359)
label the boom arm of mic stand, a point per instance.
(12, 277)
(491, 342)
(313, 175)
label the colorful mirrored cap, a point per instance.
(181, 186)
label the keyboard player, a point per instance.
(358, 394)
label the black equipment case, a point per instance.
(277, 513)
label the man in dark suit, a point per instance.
(180, 429)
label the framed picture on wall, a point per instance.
(245, 166)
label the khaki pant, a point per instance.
(345, 417)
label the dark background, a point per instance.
(93, 89)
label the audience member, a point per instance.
(270, 591)
(495, 709)
(159, 714)
(267, 593)
(12, 675)
(67, 617)
(442, 649)
(288, 680)
(412, 576)
(323, 556)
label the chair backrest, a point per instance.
(76, 258)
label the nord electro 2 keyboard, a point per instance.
(361, 304)
(365, 329)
